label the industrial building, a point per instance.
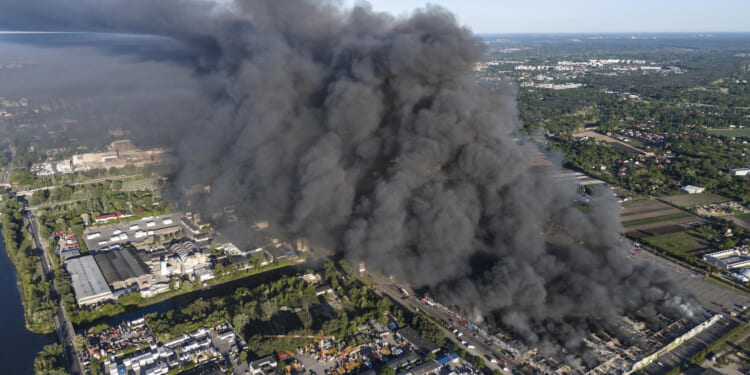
(123, 268)
(89, 284)
(185, 259)
(729, 259)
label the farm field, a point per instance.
(670, 227)
(651, 217)
(691, 200)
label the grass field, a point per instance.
(731, 132)
(655, 219)
(683, 243)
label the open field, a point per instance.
(731, 132)
(689, 242)
(691, 200)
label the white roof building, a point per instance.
(690, 189)
(89, 284)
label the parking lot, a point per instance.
(112, 236)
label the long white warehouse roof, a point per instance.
(88, 281)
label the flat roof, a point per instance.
(88, 281)
(121, 265)
(415, 339)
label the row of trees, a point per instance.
(36, 292)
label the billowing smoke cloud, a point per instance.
(368, 134)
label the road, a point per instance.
(386, 286)
(63, 325)
(91, 181)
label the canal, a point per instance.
(18, 346)
(180, 301)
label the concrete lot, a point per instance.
(107, 231)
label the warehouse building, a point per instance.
(89, 284)
(123, 268)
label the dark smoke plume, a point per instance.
(369, 135)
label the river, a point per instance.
(18, 346)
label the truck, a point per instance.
(91, 236)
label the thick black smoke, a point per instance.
(369, 135)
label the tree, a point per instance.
(477, 362)
(387, 370)
(240, 321)
(49, 360)
(79, 342)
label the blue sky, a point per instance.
(595, 16)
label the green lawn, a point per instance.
(731, 132)
(655, 219)
(679, 242)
